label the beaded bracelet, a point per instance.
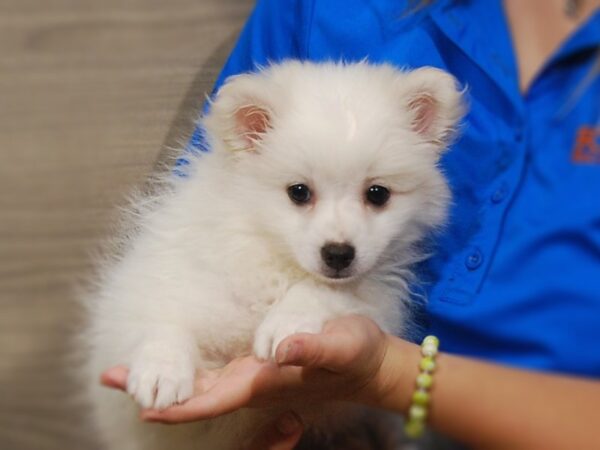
(417, 414)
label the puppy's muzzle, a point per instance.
(338, 256)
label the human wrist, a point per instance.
(394, 381)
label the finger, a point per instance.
(284, 434)
(324, 351)
(231, 394)
(115, 378)
(204, 406)
(224, 397)
(227, 394)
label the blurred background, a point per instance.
(92, 92)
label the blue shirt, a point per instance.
(515, 277)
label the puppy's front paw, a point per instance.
(277, 327)
(159, 382)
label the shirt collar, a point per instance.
(586, 37)
(480, 29)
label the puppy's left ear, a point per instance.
(241, 113)
(435, 104)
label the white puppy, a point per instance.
(321, 181)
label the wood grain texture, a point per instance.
(90, 93)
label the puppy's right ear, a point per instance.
(241, 113)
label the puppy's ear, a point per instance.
(241, 113)
(435, 104)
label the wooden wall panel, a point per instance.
(91, 92)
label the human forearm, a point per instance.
(490, 406)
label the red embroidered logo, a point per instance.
(587, 146)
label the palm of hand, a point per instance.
(338, 363)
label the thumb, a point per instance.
(284, 434)
(321, 351)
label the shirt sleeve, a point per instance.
(275, 31)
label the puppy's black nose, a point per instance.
(337, 256)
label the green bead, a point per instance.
(424, 380)
(421, 398)
(431, 340)
(414, 428)
(429, 350)
(427, 364)
(417, 412)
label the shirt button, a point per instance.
(519, 134)
(500, 193)
(505, 159)
(474, 260)
(519, 131)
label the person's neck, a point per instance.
(539, 28)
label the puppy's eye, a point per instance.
(377, 195)
(299, 193)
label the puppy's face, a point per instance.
(337, 164)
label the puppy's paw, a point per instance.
(276, 328)
(159, 382)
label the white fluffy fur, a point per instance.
(226, 264)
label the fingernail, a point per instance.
(288, 423)
(290, 354)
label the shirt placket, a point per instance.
(468, 268)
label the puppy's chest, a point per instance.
(257, 292)
(250, 297)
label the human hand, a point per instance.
(341, 363)
(283, 434)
